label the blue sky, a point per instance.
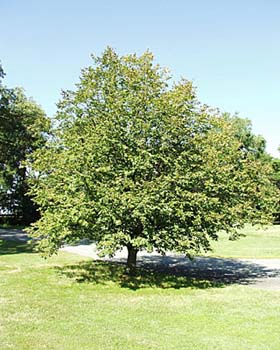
(229, 49)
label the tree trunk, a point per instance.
(131, 258)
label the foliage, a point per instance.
(276, 180)
(249, 142)
(137, 163)
(276, 168)
(1, 72)
(255, 144)
(22, 127)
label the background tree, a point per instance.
(136, 163)
(22, 128)
(252, 144)
(276, 180)
(255, 145)
(1, 72)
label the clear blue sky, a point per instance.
(229, 49)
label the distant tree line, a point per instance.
(23, 128)
(276, 180)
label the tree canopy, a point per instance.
(22, 128)
(276, 180)
(137, 162)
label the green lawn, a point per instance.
(66, 303)
(257, 243)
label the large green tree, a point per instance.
(22, 129)
(137, 163)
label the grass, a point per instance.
(257, 243)
(71, 303)
(9, 226)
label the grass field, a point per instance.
(66, 303)
(257, 243)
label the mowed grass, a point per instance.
(256, 243)
(71, 303)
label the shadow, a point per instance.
(221, 270)
(106, 272)
(14, 241)
(169, 272)
(13, 234)
(14, 247)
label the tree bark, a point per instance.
(131, 257)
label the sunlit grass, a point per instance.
(65, 303)
(257, 243)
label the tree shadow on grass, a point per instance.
(104, 272)
(14, 241)
(170, 272)
(14, 247)
(223, 270)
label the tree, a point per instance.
(136, 163)
(255, 145)
(22, 128)
(1, 73)
(276, 180)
